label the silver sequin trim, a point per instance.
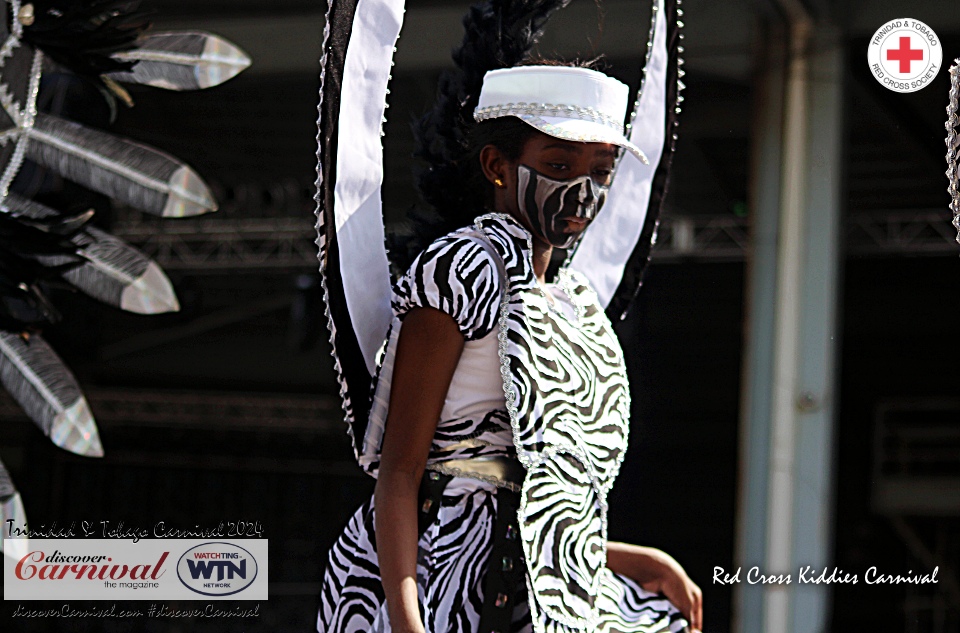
(24, 124)
(548, 109)
(321, 243)
(490, 479)
(953, 145)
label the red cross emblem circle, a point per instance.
(904, 55)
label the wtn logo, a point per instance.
(225, 569)
(217, 569)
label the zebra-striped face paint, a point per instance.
(559, 210)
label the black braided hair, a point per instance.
(497, 34)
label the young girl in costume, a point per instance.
(501, 405)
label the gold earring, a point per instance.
(498, 182)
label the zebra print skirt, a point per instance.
(451, 564)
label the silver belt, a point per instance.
(501, 471)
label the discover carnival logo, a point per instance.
(217, 569)
(150, 569)
(904, 55)
(57, 566)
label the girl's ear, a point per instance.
(494, 165)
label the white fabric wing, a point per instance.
(358, 206)
(606, 247)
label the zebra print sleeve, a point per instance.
(457, 276)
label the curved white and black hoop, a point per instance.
(614, 253)
(359, 43)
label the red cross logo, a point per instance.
(905, 54)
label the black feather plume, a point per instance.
(82, 34)
(27, 242)
(497, 34)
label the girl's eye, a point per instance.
(602, 175)
(557, 166)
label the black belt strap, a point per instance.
(432, 485)
(506, 567)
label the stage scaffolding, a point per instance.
(274, 244)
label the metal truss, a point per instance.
(879, 233)
(915, 465)
(916, 486)
(902, 232)
(284, 243)
(315, 414)
(227, 244)
(701, 238)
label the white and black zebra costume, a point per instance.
(562, 398)
(565, 418)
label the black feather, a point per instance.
(83, 34)
(35, 251)
(497, 34)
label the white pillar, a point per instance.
(789, 386)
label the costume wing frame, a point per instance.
(359, 42)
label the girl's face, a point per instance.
(556, 187)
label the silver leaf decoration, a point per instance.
(116, 273)
(138, 175)
(46, 389)
(182, 60)
(11, 509)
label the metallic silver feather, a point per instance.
(126, 171)
(30, 210)
(116, 273)
(7, 488)
(182, 60)
(138, 175)
(11, 508)
(37, 379)
(27, 208)
(953, 145)
(119, 274)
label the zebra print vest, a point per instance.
(568, 401)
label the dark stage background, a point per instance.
(228, 409)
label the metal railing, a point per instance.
(284, 243)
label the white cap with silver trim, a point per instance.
(571, 103)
